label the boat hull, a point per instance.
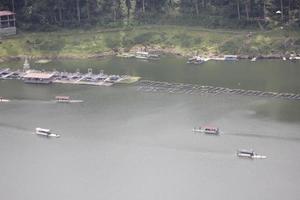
(4, 100)
(197, 130)
(47, 135)
(255, 156)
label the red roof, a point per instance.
(5, 13)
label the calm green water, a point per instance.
(125, 144)
(268, 75)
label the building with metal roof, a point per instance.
(38, 77)
(7, 23)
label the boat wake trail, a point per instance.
(18, 128)
(25, 101)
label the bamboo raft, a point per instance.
(181, 88)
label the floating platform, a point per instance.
(43, 77)
(181, 88)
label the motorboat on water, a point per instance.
(244, 153)
(207, 130)
(66, 99)
(4, 100)
(45, 132)
(253, 59)
(62, 99)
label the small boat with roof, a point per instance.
(45, 132)
(66, 99)
(245, 153)
(146, 55)
(230, 57)
(207, 130)
(62, 99)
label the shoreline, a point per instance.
(166, 40)
(115, 53)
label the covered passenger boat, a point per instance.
(207, 130)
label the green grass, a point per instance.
(183, 40)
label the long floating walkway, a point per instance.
(181, 88)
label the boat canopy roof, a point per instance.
(209, 127)
(62, 97)
(42, 130)
(248, 151)
(230, 56)
(142, 52)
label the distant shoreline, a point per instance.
(174, 40)
(111, 54)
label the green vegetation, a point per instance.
(83, 28)
(172, 39)
(47, 15)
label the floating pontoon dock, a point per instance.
(43, 77)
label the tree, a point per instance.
(238, 8)
(128, 5)
(78, 11)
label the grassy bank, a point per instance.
(172, 39)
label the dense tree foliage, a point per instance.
(45, 14)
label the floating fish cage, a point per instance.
(181, 88)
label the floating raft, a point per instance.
(181, 88)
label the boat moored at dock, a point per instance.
(207, 130)
(125, 55)
(146, 55)
(45, 132)
(244, 153)
(230, 57)
(196, 60)
(253, 59)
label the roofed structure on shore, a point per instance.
(7, 23)
(32, 76)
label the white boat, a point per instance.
(244, 153)
(126, 55)
(283, 58)
(231, 57)
(207, 130)
(253, 59)
(294, 58)
(4, 100)
(45, 132)
(62, 99)
(66, 99)
(146, 55)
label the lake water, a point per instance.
(126, 144)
